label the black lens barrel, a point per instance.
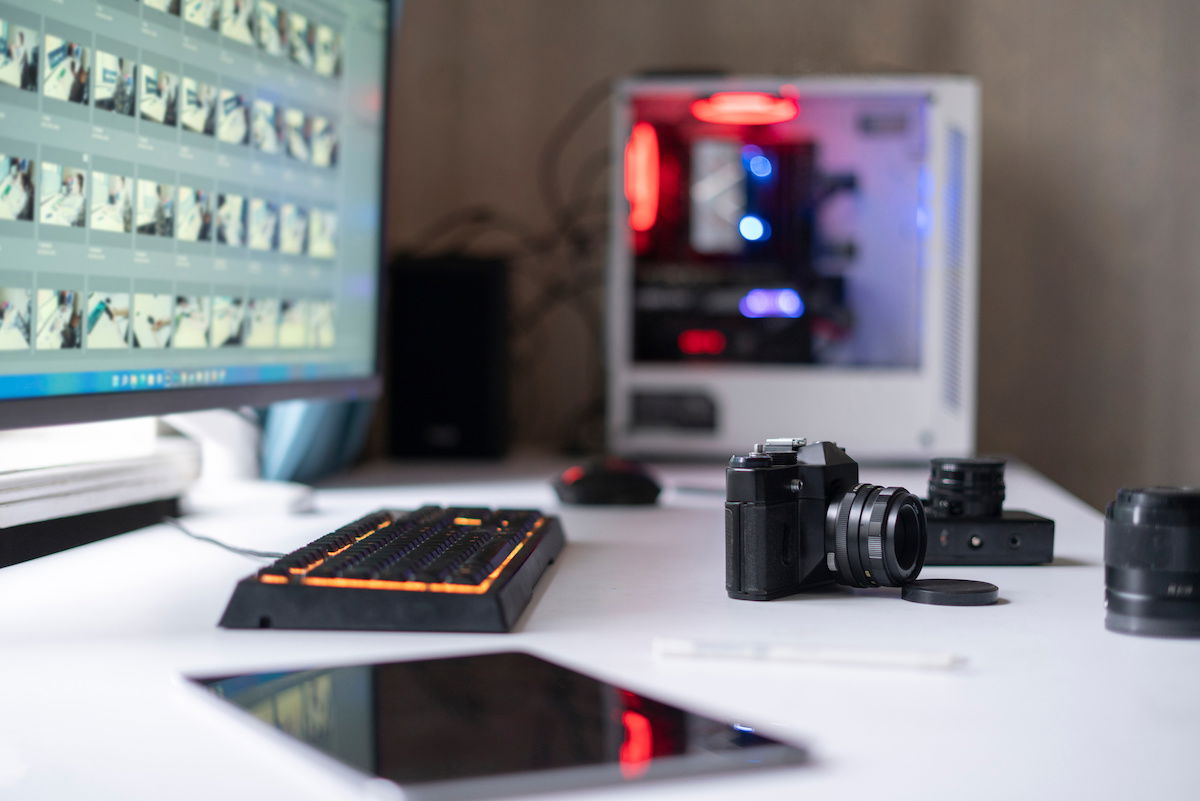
(967, 487)
(879, 536)
(1152, 562)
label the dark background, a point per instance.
(1089, 340)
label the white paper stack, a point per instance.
(47, 493)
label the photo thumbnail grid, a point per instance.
(117, 83)
(62, 190)
(66, 319)
(268, 26)
(72, 195)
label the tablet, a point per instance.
(495, 724)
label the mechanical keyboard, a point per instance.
(433, 569)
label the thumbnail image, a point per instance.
(295, 134)
(327, 53)
(293, 324)
(202, 13)
(16, 188)
(270, 28)
(233, 124)
(152, 320)
(263, 227)
(160, 90)
(322, 234)
(324, 142)
(231, 220)
(16, 307)
(229, 322)
(18, 56)
(194, 212)
(198, 107)
(112, 203)
(293, 229)
(235, 20)
(66, 70)
(301, 40)
(191, 322)
(320, 323)
(114, 83)
(155, 208)
(63, 197)
(59, 319)
(267, 127)
(262, 323)
(166, 6)
(107, 320)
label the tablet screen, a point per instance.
(494, 724)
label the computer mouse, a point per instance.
(606, 481)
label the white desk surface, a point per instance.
(1051, 705)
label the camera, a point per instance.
(968, 524)
(797, 518)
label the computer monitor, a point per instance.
(190, 204)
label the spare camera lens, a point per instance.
(879, 536)
(966, 487)
(1152, 562)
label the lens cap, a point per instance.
(951, 592)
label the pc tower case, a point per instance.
(794, 256)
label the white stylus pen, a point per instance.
(668, 647)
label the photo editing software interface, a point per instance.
(190, 192)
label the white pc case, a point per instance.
(880, 248)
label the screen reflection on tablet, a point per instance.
(494, 724)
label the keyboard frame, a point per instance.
(295, 605)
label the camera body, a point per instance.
(968, 524)
(797, 518)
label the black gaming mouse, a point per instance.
(606, 481)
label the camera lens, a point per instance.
(966, 487)
(879, 536)
(1152, 562)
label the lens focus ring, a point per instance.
(879, 535)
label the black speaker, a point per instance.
(447, 380)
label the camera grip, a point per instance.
(757, 563)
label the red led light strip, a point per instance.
(745, 108)
(641, 176)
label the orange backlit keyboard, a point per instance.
(433, 569)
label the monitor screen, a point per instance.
(190, 203)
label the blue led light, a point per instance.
(788, 302)
(755, 162)
(771, 303)
(760, 167)
(756, 303)
(754, 229)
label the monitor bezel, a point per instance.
(90, 407)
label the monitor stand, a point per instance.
(229, 452)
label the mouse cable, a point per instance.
(178, 525)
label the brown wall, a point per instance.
(1089, 341)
